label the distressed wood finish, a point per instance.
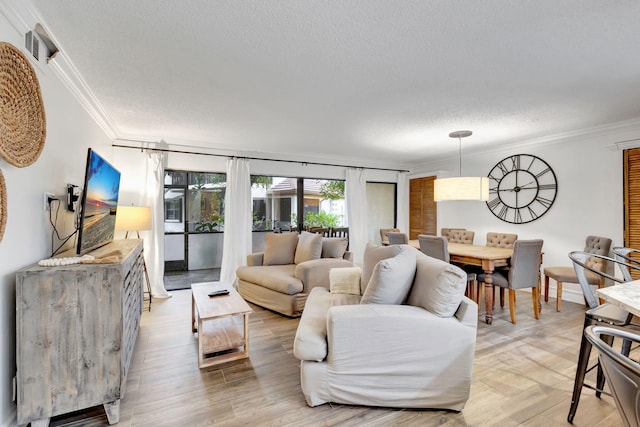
(76, 328)
(213, 319)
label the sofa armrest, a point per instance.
(399, 339)
(467, 312)
(255, 259)
(316, 272)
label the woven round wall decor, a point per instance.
(22, 119)
(3, 205)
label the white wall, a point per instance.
(589, 199)
(70, 131)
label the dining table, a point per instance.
(624, 295)
(486, 257)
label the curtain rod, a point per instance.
(304, 163)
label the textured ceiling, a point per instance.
(375, 80)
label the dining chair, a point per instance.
(622, 253)
(501, 240)
(397, 238)
(340, 232)
(523, 273)
(444, 232)
(461, 236)
(598, 314)
(622, 372)
(384, 238)
(565, 274)
(438, 247)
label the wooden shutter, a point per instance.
(632, 201)
(423, 212)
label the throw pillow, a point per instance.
(391, 279)
(372, 254)
(345, 280)
(438, 287)
(334, 247)
(309, 247)
(279, 248)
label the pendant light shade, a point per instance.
(462, 187)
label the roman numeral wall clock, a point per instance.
(522, 188)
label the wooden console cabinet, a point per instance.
(76, 327)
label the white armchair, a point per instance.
(391, 355)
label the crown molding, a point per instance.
(23, 18)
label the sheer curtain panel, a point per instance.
(237, 219)
(402, 203)
(356, 195)
(154, 246)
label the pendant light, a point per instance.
(462, 187)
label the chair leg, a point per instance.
(479, 292)
(512, 304)
(558, 296)
(600, 376)
(581, 370)
(535, 298)
(501, 297)
(546, 288)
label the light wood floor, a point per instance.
(523, 376)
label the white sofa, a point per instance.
(407, 342)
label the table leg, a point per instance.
(193, 314)
(246, 334)
(488, 295)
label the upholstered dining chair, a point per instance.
(622, 372)
(384, 238)
(523, 273)
(594, 244)
(438, 247)
(397, 238)
(444, 232)
(461, 236)
(598, 314)
(501, 240)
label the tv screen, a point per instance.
(99, 203)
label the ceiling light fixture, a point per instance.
(462, 187)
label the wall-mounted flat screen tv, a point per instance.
(99, 204)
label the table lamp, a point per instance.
(133, 218)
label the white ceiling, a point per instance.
(384, 81)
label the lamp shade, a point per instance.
(133, 218)
(461, 188)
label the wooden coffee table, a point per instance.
(219, 338)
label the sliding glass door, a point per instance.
(194, 219)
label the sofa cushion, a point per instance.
(280, 248)
(438, 286)
(310, 342)
(372, 254)
(279, 278)
(334, 247)
(309, 247)
(345, 280)
(391, 279)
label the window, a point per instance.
(277, 201)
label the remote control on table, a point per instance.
(219, 293)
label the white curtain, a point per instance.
(402, 202)
(237, 219)
(356, 195)
(154, 243)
